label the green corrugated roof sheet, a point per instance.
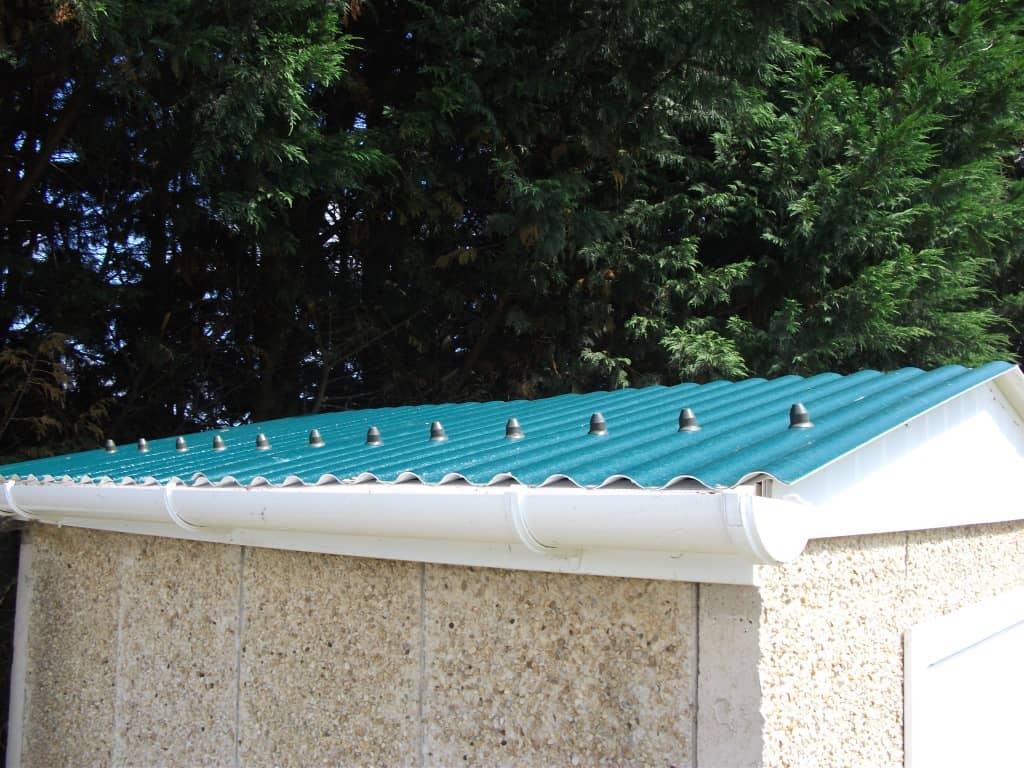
(745, 433)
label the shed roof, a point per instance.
(745, 433)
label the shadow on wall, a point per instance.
(10, 539)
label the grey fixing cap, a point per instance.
(180, 444)
(437, 433)
(143, 445)
(513, 431)
(315, 439)
(110, 446)
(218, 443)
(262, 444)
(799, 418)
(688, 421)
(373, 437)
(598, 425)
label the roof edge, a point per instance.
(1011, 385)
(1012, 375)
(680, 535)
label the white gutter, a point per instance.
(711, 536)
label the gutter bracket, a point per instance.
(171, 511)
(17, 511)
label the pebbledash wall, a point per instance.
(139, 651)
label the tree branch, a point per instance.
(38, 164)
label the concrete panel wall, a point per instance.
(147, 651)
(831, 634)
(128, 651)
(330, 660)
(73, 588)
(545, 669)
(172, 703)
(144, 651)
(729, 723)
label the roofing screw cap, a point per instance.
(799, 418)
(513, 431)
(315, 440)
(437, 433)
(218, 443)
(262, 444)
(180, 444)
(373, 437)
(688, 421)
(110, 446)
(143, 445)
(598, 425)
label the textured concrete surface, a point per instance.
(729, 722)
(831, 655)
(541, 669)
(832, 628)
(145, 651)
(176, 686)
(72, 651)
(981, 561)
(330, 660)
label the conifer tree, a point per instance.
(219, 212)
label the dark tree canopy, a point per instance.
(222, 211)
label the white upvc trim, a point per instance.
(1011, 385)
(681, 535)
(955, 465)
(942, 640)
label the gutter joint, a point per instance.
(172, 512)
(516, 512)
(17, 511)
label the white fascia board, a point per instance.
(955, 465)
(711, 536)
(1011, 386)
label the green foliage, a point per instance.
(883, 206)
(700, 353)
(35, 415)
(237, 211)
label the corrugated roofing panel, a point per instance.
(744, 433)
